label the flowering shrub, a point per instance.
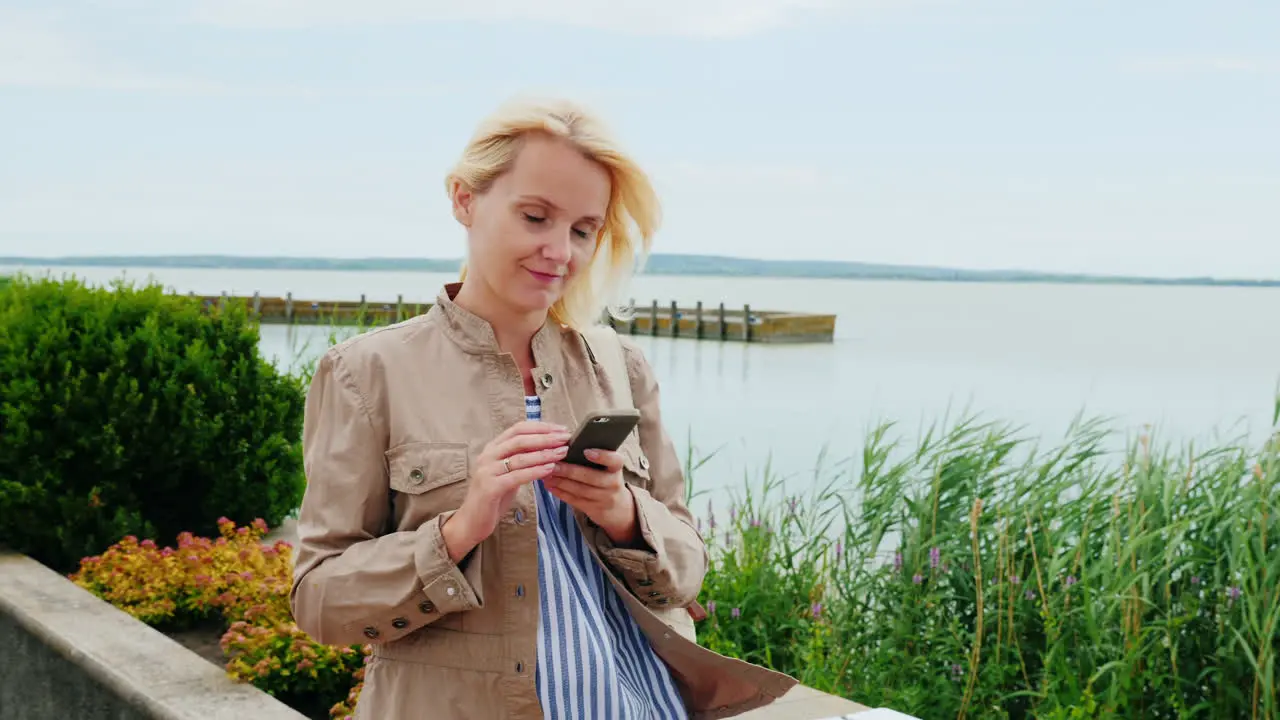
(284, 661)
(244, 583)
(234, 577)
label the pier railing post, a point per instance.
(631, 324)
(399, 307)
(288, 308)
(746, 323)
(724, 328)
(653, 318)
(257, 303)
(697, 330)
(675, 319)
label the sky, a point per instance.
(1138, 137)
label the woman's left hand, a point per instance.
(601, 494)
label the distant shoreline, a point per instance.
(659, 264)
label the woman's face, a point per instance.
(537, 225)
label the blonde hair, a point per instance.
(630, 221)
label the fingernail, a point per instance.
(563, 450)
(592, 454)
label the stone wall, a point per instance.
(65, 654)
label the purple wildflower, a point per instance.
(755, 522)
(1233, 593)
(699, 526)
(711, 607)
(1195, 579)
(1071, 580)
(733, 513)
(736, 613)
(1014, 579)
(839, 549)
(792, 503)
(917, 578)
(816, 609)
(957, 671)
(1031, 594)
(935, 557)
(897, 561)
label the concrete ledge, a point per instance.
(64, 653)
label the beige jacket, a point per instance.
(394, 419)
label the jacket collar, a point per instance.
(474, 334)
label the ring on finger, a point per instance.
(506, 464)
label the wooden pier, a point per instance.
(658, 319)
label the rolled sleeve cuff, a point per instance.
(443, 582)
(641, 567)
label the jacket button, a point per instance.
(399, 623)
(547, 380)
(371, 632)
(416, 475)
(451, 591)
(644, 462)
(426, 607)
(519, 516)
(519, 591)
(519, 667)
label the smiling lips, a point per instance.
(546, 278)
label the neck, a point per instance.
(513, 330)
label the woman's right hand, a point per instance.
(531, 450)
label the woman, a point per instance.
(439, 525)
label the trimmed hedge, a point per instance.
(128, 411)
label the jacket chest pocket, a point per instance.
(635, 464)
(428, 478)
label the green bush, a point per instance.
(128, 411)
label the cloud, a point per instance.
(703, 18)
(39, 50)
(1189, 64)
(746, 175)
(36, 52)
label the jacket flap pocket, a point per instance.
(416, 468)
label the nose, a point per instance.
(559, 247)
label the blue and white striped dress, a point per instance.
(594, 663)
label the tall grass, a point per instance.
(978, 575)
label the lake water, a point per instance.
(1198, 362)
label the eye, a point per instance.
(534, 218)
(584, 234)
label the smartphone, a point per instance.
(601, 430)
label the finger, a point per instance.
(570, 496)
(530, 459)
(587, 475)
(529, 443)
(530, 427)
(583, 491)
(523, 476)
(610, 459)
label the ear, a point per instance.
(463, 202)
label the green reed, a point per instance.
(975, 574)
